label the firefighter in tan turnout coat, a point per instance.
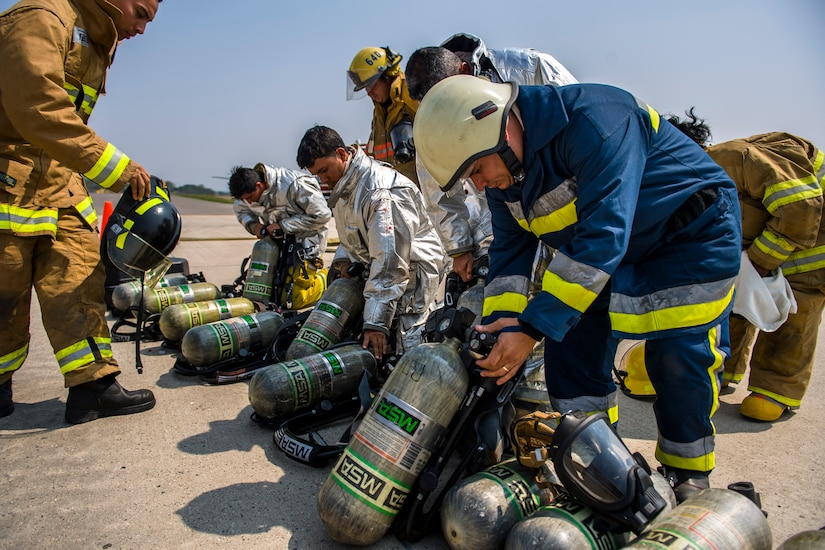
(779, 178)
(54, 55)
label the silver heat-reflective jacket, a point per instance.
(525, 66)
(382, 223)
(295, 201)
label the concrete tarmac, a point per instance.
(195, 472)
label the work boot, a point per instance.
(105, 397)
(685, 483)
(6, 404)
(761, 407)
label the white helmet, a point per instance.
(461, 119)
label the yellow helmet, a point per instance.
(461, 119)
(632, 373)
(368, 65)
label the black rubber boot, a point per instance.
(685, 483)
(6, 404)
(105, 397)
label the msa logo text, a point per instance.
(397, 416)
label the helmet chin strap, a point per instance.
(512, 163)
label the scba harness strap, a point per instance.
(312, 450)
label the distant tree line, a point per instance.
(186, 189)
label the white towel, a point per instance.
(764, 301)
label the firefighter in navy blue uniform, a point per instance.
(647, 232)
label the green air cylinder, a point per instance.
(714, 518)
(564, 524)
(279, 390)
(220, 340)
(263, 264)
(176, 319)
(479, 511)
(368, 485)
(127, 295)
(331, 319)
(156, 300)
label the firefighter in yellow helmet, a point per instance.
(377, 71)
(54, 55)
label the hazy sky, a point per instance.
(215, 83)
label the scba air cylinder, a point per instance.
(279, 390)
(177, 319)
(371, 480)
(565, 524)
(714, 518)
(156, 300)
(127, 295)
(221, 340)
(331, 319)
(479, 511)
(263, 264)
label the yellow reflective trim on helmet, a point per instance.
(571, 294)
(146, 205)
(677, 317)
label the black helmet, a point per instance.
(139, 235)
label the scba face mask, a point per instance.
(403, 145)
(596, 467)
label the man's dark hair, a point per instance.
(693, 127)
(243, 180)
(318, 142)
(429, 66)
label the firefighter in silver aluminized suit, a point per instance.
(466, 238)
(284, 199)
(382, 224)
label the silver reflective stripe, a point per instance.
(517, 284)
(14, 360)
(589, 277)
(804, 261)
(696, 294)
(693, 449)
(587, 403)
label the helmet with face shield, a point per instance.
(368, 65)
(140, 234)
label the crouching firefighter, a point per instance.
(647, 233)
(287, 212)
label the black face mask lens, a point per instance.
(403, 146)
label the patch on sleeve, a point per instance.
(7, 179)
(79, 36)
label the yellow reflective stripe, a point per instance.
(572, 294)
(819, 166)
(144, 206)
(86, 208)
(14, 360)
(793, 403)
(667, 318)
(804, 261)
(162, 192)
(773, 245)
(553, 222)
(81, 354)
(90, 96)
(651, 112)
(505, 302)
(109, 167)
(791, 191)
(703, 463)
(25, 220)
